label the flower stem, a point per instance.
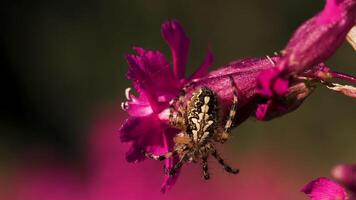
(343, 76)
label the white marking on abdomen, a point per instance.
(207, 125)
(205, 135)
(195, 135)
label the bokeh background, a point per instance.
(62, 78)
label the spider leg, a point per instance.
(179, 164)
(160, 157)
(178, 120)
(227, 129)
(205, 167)
(222, 162)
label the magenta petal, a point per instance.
(271, 83)
(346, 175)
(138, 110)
(324, 189)
(145, 133)
(262, 110)
(280, 86)
(203, 69)
(331, 11)
(151, 73)
(154, 61)
(264, 81)
(179, 43)
(134, 154)
(138, 107)
(125, 130)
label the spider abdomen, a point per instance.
(202, 115)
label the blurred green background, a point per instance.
(61, 61)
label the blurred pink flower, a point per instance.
(147, 130)
(345, 174)
(157, 83)
(324, 189)
(43, 175)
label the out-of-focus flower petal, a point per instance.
(346, 175)
(179, 43)
(203, 69)
(42, 174)
(324, 189)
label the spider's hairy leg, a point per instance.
(179, 164)
(205, 167)
(178, 119)
(160, 157)
(227, 129)
(222, 162)
(182, 140)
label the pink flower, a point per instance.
(151, 132)
(267, 87)
(345, 174)
(157, 83)
(312, 44)
(324, 189)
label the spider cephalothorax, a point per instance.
(198, 121)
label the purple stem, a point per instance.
(343, 76)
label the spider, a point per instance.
(198, 122)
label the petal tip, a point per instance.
(324, 189)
